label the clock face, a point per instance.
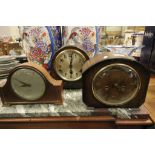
(28, 84)
(116, 84)
(68, 64)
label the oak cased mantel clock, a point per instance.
(67, 66)
(30, 83)
(111, 80)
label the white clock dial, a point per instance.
(28, 84)
(68, 64)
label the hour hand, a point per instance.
(24, 84)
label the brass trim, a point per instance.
(55, 66)
(121, 103)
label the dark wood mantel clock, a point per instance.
(67, 66)
(114, 81)
(30, 83)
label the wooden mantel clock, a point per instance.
(67, 66)
(114, 81)
(30, 83)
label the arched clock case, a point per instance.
(67, 65)
(30, 83)
(114, 81)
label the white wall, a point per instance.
(9, 31)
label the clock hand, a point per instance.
(24, 84)
(71, 65)
(120, 88)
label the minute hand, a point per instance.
(71, 64)
(24, 84)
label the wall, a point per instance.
(9, 31)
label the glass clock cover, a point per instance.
(28, 84)
(116, 84)
(68, 64)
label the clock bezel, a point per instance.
(120, 103)
(31, 68)
(57, 57)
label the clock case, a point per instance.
(52, 95)
(91, 67)
(68, 84)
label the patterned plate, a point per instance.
(10, 64)
(6, 58)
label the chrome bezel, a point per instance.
(29, 68)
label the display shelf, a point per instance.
(72, 114)
(72, 122)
